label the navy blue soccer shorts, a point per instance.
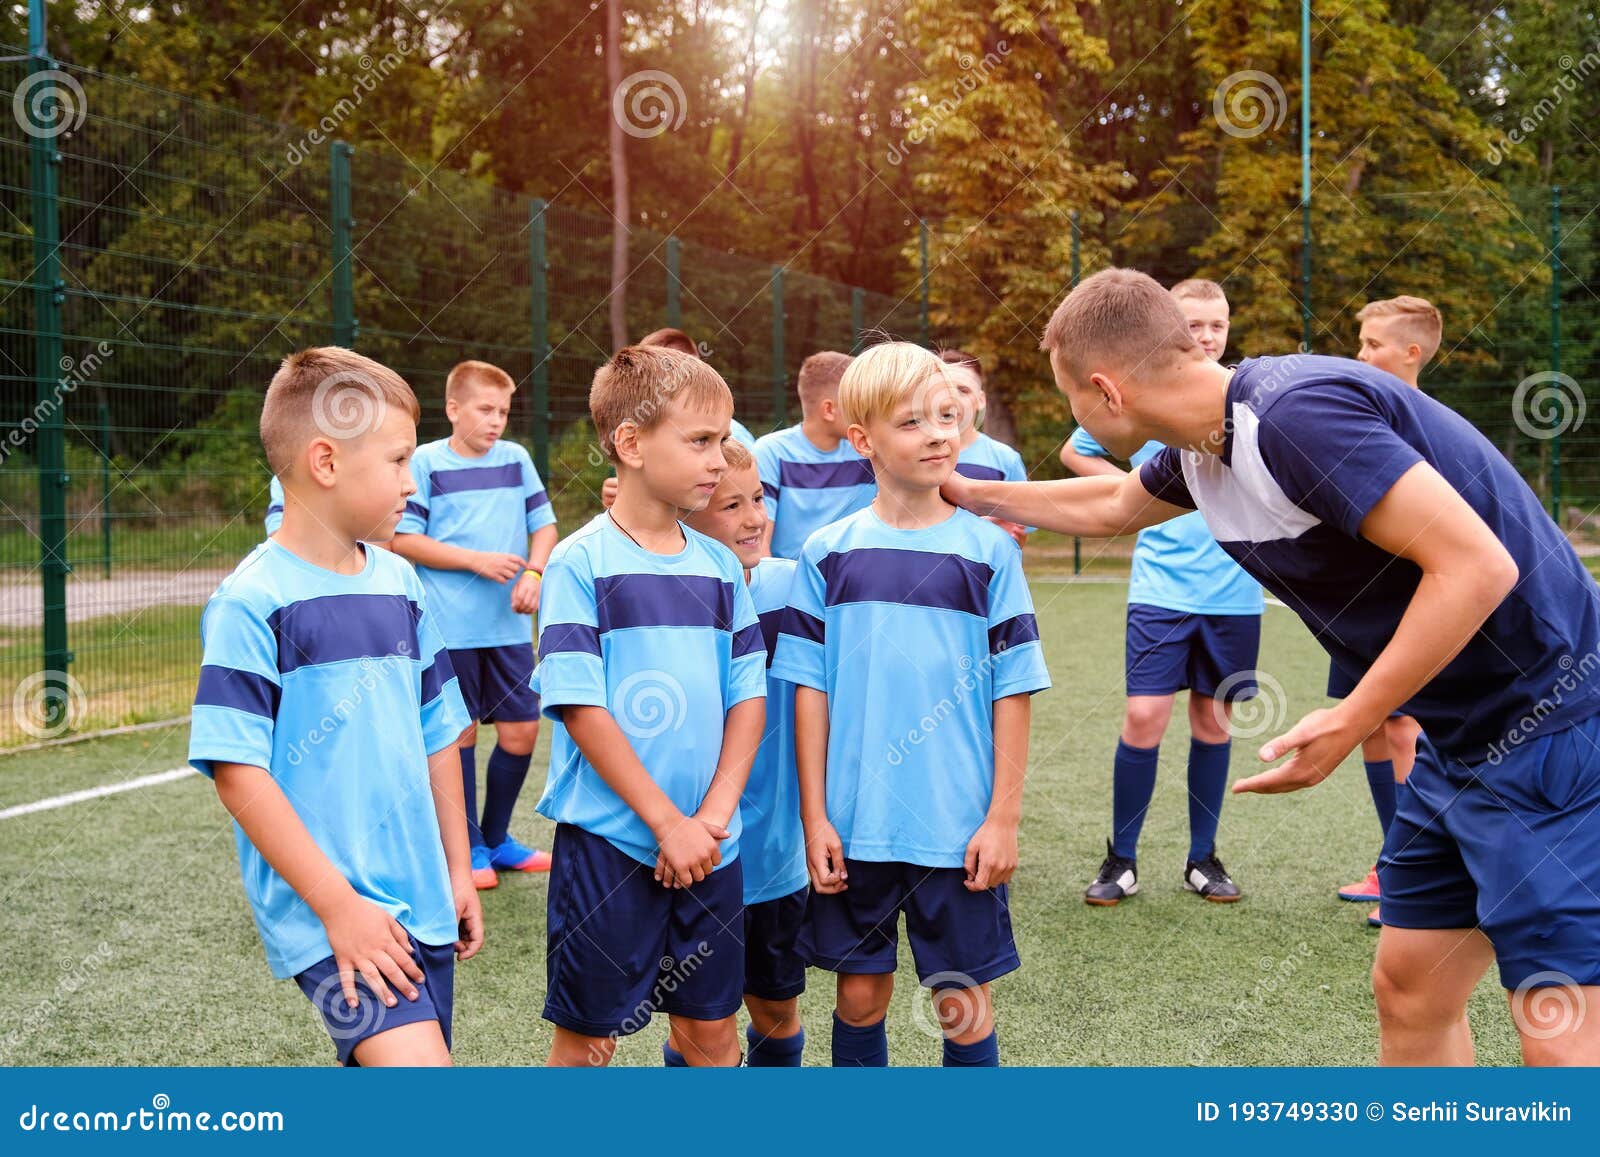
(1171, 651)
(496, 683)
(350, 1026)
(773, 967)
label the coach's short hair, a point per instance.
(468, 374)
(820, 375)
(879, 379)
(640, 382)
(1199, 289)
(1117, 319)
(963, 358)
(672, 339)
(737, 454)
(1419, 321)
(324, 390)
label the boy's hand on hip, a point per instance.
(825, 859)
(498, 567)
(991, 856)
(1317, 745)
(525, 595)
(689, 852)
(368, 940)
(469, 918)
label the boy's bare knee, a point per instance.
(517, 738)
(864, 998)
(707, 1042)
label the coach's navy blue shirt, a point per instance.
(1312, 444)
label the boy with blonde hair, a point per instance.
(326, 714)
(906, 612)
(480, 529)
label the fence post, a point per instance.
(105, 486)
(49, 292)
(779, 382)
(858, 319)
(1555, 343)
(674, 285)
(922, 229)
(539, 299)
(339, 209)
(1077, 234)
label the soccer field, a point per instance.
(128, 940)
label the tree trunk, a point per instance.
(620, 213)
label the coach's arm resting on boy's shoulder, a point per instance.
(1466, 573)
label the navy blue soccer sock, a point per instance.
(1208, 783)
(983, 1054)
(671, 1057)
(865, 1046)
(1380, 779)
(469, 788)
(775, 1052)
(505, 775)
(1133, 782)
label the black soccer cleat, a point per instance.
(1210, 879)
(1115, 882)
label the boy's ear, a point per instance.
(625, 441)
(320, 458)
(859, 442)
(1110, 393)
(452, 408)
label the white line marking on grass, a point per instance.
(55, 801)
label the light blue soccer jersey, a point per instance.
(773, 845)
(739, 432)
(490, 503)
(274, 517)
(913, 634)
(667, 644)
(340, 687)
(807, 488)
(1178, 564)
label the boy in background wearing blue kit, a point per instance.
(1194, 622)
(771, 846)
(326, 715)
(980, 455)
(479, 530)
(907, 612)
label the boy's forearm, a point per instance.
(1011, 718)
(540, 543)
(741, 736)
(608, 751)
(271, 824)
(811, 752)
(449, 802)
(430, 552)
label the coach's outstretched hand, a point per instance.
(1318, 744)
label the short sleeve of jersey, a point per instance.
(800, 656)
(1014, 650)
(537, 503)
(747, 675)
(444, 713)
(415, 519)
(1015, 471)
(1162, 476)
(771, 478)
(1354, 461)
(236, 702)
(274, 517)
(740, 433)
(1083, 442)
(570, 672)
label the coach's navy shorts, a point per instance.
(773, 969)
(1511, 846)
(1170, 651)
(622, 948)
(350, 1026)
(1341, 683)
(958, 938)
(496, 683)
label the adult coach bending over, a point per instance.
(1417, 555)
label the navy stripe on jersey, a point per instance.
(417, 509)
(476, 478)
(916, 578)
(580, 637)
(771, 624)
(769, 490)
(748, 641)
(277, 508)
(804, 626)
(973, 470)
(334, 628)
(435, 676)
(241, 690)
(1013, 632)
(662, 600)
(534, 501)
(822, 475)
